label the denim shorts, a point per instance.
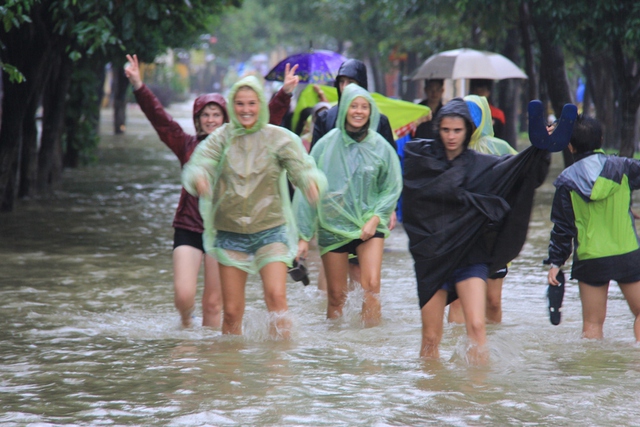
(480, 271)
(251, 243)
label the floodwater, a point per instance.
(89, 335)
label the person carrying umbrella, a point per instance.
(364, 183)
(240, 174)
(466, 215)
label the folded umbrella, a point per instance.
(555, 295)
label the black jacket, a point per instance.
(472, 209)
(326, 120)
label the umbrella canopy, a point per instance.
(468, 64)
(318, 66)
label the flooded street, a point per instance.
(89, 334)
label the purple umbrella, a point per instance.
(318, 66)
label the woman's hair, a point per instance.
(302, 119)
(586, 135)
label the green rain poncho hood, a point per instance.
(364, 180)
(247, 173)
(482, 140)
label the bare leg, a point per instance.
(212, 295)
(631, 292)
(455, 312)
(473, 293)
(186, 265)
(233, 281)
(594, 309)
(355, 276)
(322, 281)
(494, 300)
(370, 257)
(274, 280)
(335, 270)
(432, 324)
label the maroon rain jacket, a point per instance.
(182, 144)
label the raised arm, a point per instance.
(279, 104)
(132, 71)
(169, 131)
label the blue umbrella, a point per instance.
(318, 66)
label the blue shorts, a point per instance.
(460, 274)
(251, 243)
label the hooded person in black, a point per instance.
(356, 71)
(466, 215)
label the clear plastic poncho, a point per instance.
(482, 139)
(364, 179)
(247, 171)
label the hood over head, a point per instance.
(482, 117)
(254, 84)
(351, 92)
(354, 69)
(456, 107)
(202, 101)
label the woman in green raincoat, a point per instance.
(240, 173)
(364, 184)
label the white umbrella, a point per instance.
(468, 64)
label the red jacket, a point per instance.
(182, 144)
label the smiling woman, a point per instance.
(364, 183)
(240, 172)
(246, 106)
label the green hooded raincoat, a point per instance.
(247, 172)
(364, 179)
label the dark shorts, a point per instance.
(623, 280)
(182, 237)
(460, 274)
(352, 245)
(251, 243)
(500, 274)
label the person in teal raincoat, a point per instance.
(240, 173)
(364, 184)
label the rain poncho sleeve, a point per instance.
(247, 173)
(364, 180)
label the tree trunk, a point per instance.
(26, 38)
(598, 71)
(628, 77)
(378, 78)
(119, 91)
(552, 69)
(29, 150)
(509, 92)
(413, 88)
(82, 111)
(527, 47)
(53, 102)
